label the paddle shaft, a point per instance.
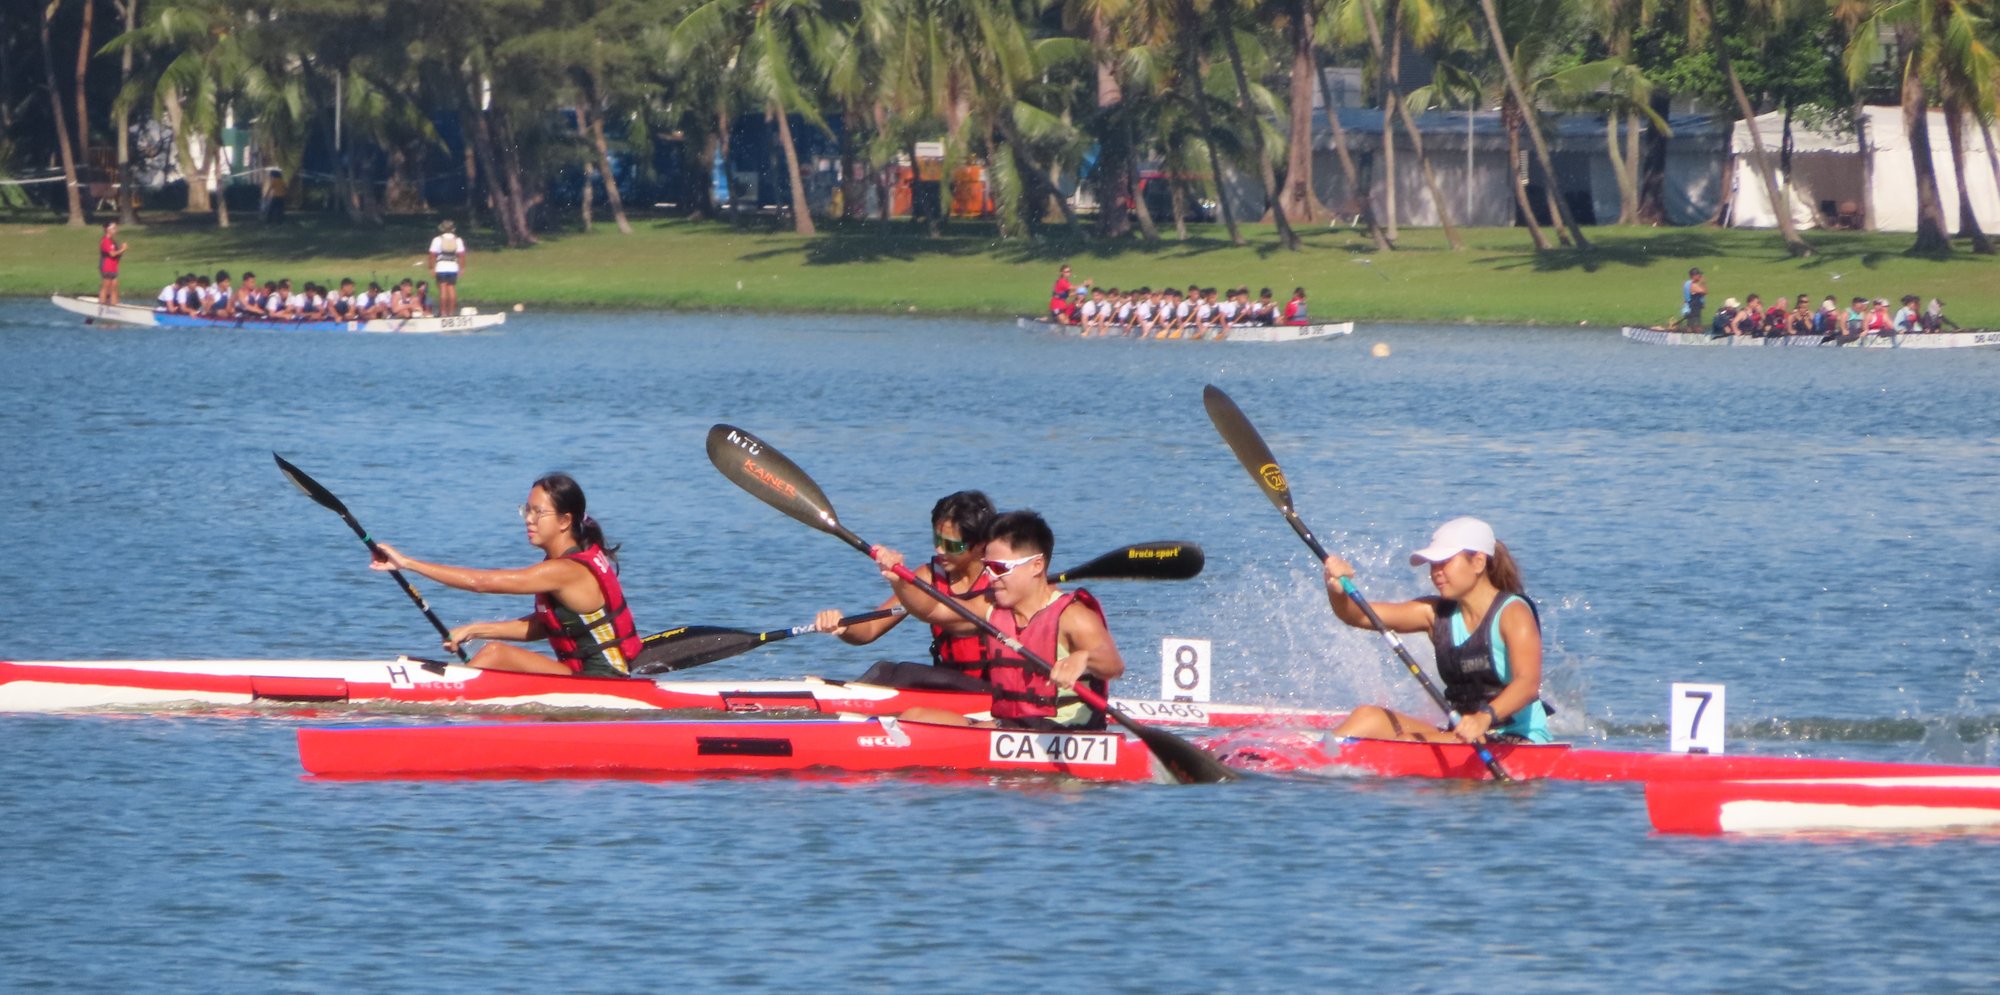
(325, 499)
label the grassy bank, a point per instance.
(1632, 276)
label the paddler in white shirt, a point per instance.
(447, 264)
(1484, 632)
(1067, 629)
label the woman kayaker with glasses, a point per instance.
(1485, 633)
(1065, 628)
(958, 536)
(579, 605)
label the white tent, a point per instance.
(1827, 175)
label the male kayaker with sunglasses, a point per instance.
(1065, 628)
(958, 662)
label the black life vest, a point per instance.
(1470, 678)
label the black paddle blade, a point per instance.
(1171, 560)
(691, 646)
(753, 465)
(1190, 764)
(310, 486)
(1248, 445)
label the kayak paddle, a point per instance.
(1256, 457)
(753, 465)
(325, 499)
(694, 645)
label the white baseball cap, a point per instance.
(1454, 537)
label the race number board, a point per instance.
(1696, 723)
(1184, 670)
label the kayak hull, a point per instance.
(1304, 751)
(1856, 804)
(145, 317)
(64, 685)
(537, 750)
(1969, 339)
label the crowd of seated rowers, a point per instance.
(1170, 313)
(1829, 319)
(276, 300)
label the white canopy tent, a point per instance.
(1828, 173)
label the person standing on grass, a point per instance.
(447, 262)
(109, 251)
(1694, 297)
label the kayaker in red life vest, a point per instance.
(1295, 309)
(1491, 666)
(1064, 628)
(579, 605)
(958, 535)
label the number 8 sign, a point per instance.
(1184, 669)
(1696, 725)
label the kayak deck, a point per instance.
(1298, 751)
(665, 749)
(63, 685)
(1852, 804)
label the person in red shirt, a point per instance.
(108, 251)
(1295, 309)
(1060, 307)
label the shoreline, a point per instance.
(862, 269)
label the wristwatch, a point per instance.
(1490, 713)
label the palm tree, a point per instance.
(1298, 197)
(1911, 23)
(62, 129)
(1253, 123)
(1527, 112)
(1754, 21)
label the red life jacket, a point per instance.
(965, 654)
(1021, 689)
(607, 634)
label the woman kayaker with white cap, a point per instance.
(1485, 633)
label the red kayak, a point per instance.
(667, 749)
(1302, 751)
(44, 686)
(1848, 804)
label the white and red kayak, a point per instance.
(1300, 751)
(63, 685)
(664, 749)
(1842, 804)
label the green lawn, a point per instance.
(1632, 276)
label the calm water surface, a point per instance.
(1814, 530)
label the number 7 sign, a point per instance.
(1696, 725)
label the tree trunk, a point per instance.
(1628, 195)
(1417, 144)
(611, 194)
(62, 128)
(1353, 176)
(1191, 68)
(1286, 236)
(511, 173)
(1932, 236)
(197, 189)
(1868, 165)
(218, 174)
(83, 100)
(1147, 229)
(1968, 223)
(1528, 118)
(1992, 154)
(471, 184)
(1781, 206)
(1180, 209)
(802, 221)
(1114, 166)
(128, 194)
(1652, 166)
(1298, 197)
(1391, 215)
(1517, 169)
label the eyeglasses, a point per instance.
(951, 546)
(1001, 568)
(529, 514)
